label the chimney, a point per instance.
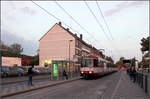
(59, 23)
(67, 29)
(81, 36)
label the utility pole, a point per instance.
(69, 56)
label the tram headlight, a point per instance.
(82, 72)
(90, 72)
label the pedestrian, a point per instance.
(130, 73)
(65, 74)
(134, 74)
(127, 71)
(50, 71)
(30, 73)
(50, 75)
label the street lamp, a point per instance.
(69, 54)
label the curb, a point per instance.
(41, 87)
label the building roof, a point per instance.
(74, 35)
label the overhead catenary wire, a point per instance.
(77, 22)
(56, 17)
(100, 25)
(53, 15)
(79, 25)
(106, 24)
(104, 20)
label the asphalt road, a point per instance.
(101, 88)
(23, 83)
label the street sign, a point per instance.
(55, 70)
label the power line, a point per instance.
(53, 16)
(104, 20)
(57, 17)
(99, 24)
(75, 21)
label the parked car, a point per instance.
(36, 71)
(4, 72)
(21, 72)
(8, 71)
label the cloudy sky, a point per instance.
(25, 23)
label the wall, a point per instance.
(11, 61)
(55, 45)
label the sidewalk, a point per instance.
(13, 90)
(126, 89)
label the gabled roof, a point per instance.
(67, 30)
(47, 32)
(74, 35)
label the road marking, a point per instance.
(116, 88)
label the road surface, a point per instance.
(101, 88)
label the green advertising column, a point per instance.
(55, 70)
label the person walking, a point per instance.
(65, 74)
(30, 72)
(130, 73)
(134, 74)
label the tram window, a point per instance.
(86, 63)
(95, 63)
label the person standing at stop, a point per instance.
(30, 72)
(65, 74)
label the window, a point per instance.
(78, 52)
(101, 63)
(78, 44)
(87, 62)
(95, 63)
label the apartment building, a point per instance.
(61, 44)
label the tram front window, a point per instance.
(86, 62)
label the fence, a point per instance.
(143, 80)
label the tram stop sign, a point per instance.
(55, 70)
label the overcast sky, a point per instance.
(25, 23)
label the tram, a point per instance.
(93, 66)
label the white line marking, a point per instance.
(116, 88)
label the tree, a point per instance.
(16, 48)
(145, 47)
(145, 44)
(133, 60)
(13, 50)
(109, 59)
(5, 47)
(34, 60)
(120, 62)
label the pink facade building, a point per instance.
(11, 61)
(54, 45)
